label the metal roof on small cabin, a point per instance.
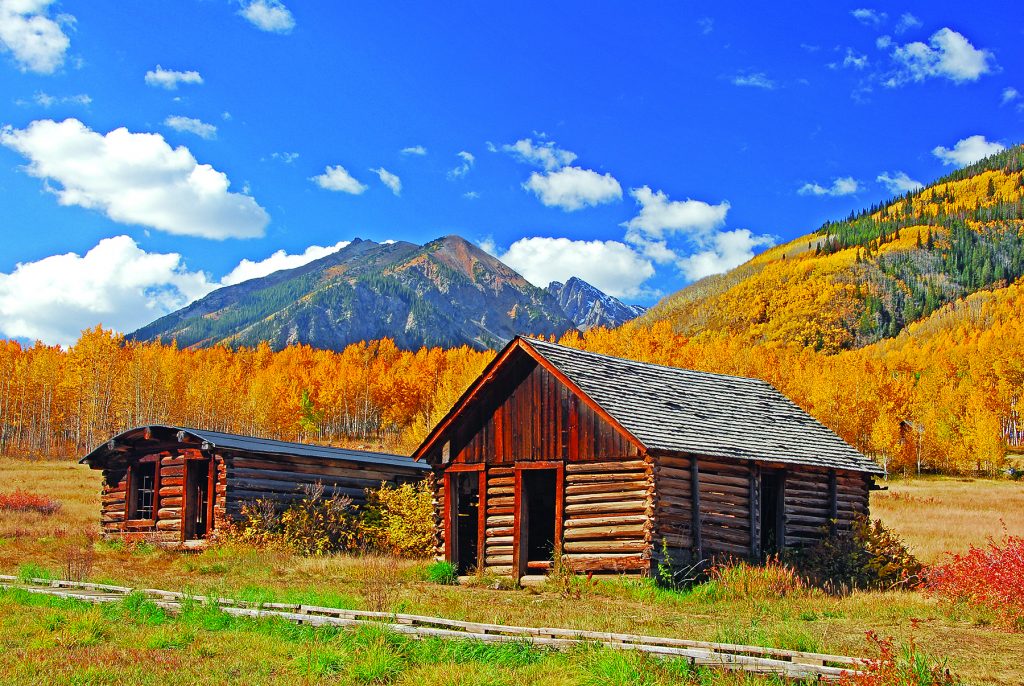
(714, 415)
(252, 444)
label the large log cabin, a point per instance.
(610, 463)
(175, 486)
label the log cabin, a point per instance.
(610, 465)
(174, 486)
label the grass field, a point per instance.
(45, 641)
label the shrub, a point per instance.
(399, 520)
(773, 579)
(441, 572)
(315, 525)
(23, 501)
(899, 666)
(991, 578)
(867, 556)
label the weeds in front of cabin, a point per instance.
(899, 665)
(24, 501)
(441, 572)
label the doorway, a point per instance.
(773, 503)
(465, 513)
(197, 499)
(537, 519)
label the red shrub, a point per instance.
(898, 666)
(991, 578)
(23, 501)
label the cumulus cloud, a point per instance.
(190, 125)
(248, 269)
(899, 182)
(388, 179)
(268, 15)
(948, 54)
(844, 185)
(467, 163)
(758, 80)
(36, 42)
(337, 178)
(967, 151)
(116, 283)
(543, 154)
(614, 267)
(854, 59)
(1010, 94)
(573, 188)
(135, 178)
(414, 150)
(660, 216)
(727, 249)
(869, 17)
(286, 157)
(169, 78)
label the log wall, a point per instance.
(808, 505)
(725, 508)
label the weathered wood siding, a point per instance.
(724, 508)
(537, 418)
(607, 526)
(500, 518)
(852, 490)
(166, 525)
(808, 505)
(673, 508)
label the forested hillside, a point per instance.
(865, 278)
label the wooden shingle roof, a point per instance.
(680, 410)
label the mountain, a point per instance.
(445, 293)
(588, 306)
(867, 277)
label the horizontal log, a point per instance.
(712, 547)
(499, 540)
(724, 507)
(500, 481)
(169, 513)
(604, 477)
(171, 481)
(499, 531)
(639, 506)
(170, 492)
(598, 532)
(498, 550)
(708, 519)
(617, 496)
(325, 466)
(710, 489)
(682, 463)
(494, 522)
(499, 511)
(610, 466)
(503, 501)
(663, 473)
(500, 471)
(725, 480)
(609, 487)
(821, 511)
(586, 562)
(498, 560)
(663, 500)
(717, 534)
(169, 525)
(497, 492)
(275, 487)
(605, 546)
(721, 467)
(609, 520)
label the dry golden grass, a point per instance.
(807, 620)
(936, 515)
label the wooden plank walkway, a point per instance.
(788, 663)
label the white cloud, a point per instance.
(844, 185)
(967, 151)
(758, 80)
(37, 42)
(869, 17)
(46, 100)
(855, 60)
(660, 216)
(899, 183)
(116, 283)
(414, 150)
(949, 55)
(471, 195)
(573, 188)
(286, 157)
(883, 42)
(467, 163)
(728, 249)
(268, 15)
(337, 178)
(907, 21)
(1010, 94)
(247, 269)
(190, 125)
(613, 267)
(706, 25)
(169, 78)
(388, 179)
(135, 178)
(544, 154)
(488, 246)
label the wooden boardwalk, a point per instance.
(788, 663)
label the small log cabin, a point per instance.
(610, 462)
(175, 486)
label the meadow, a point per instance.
(57, 641)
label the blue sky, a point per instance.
(153, 151)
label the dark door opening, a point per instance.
(773, 493)
(197, 499)
(465, 487)
(537, 519)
